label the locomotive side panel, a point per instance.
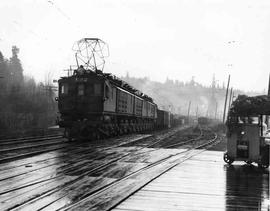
(151, 110)
(121, 101)
(125, 102)
(144, 108)
(130, 104)
(138, 106)
(148, 109)
(109, 98)
(155, 111)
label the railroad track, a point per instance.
(36, 144)
(61, 145)
(98, 199)
(99, 168)
(82, 152)
(22, 148)
(28, 139)
(26, 144)
(182, 143)
(33, 133)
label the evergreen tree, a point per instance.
(16, 67)
(23, 104)
(4, 73)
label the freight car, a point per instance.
(166, 119)
(178, 120)
(163, 119)
(203, 120)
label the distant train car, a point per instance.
(203, 121)
(166, 119)
(177, 120)
(163, 119)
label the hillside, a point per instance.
(175, 95)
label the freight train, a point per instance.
(93, 104)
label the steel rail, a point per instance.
(95, 169)
(117, 182)
(26, 140)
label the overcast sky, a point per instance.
(158, 39)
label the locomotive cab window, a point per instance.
(93, 89)
(81, 89)
(90, 89)
(64, 89)
(97, 89)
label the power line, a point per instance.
(53, 4)
(30, 31)
(59, 10)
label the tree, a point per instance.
(4, 73)
(192, 81)
(16, 67)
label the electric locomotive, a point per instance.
(93, 104)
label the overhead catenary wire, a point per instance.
(64, 14)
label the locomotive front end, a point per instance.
(80, 102)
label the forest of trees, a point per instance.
(176, 95)
(24, 104)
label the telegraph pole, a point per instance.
(179, 110)
(225, 105)
(267, 117)
(69, 71)
(268, 86)
(230, 101)
(189, 104)
(216, 110)
(212, 101)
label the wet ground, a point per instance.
(204, 182)
(72, 177)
